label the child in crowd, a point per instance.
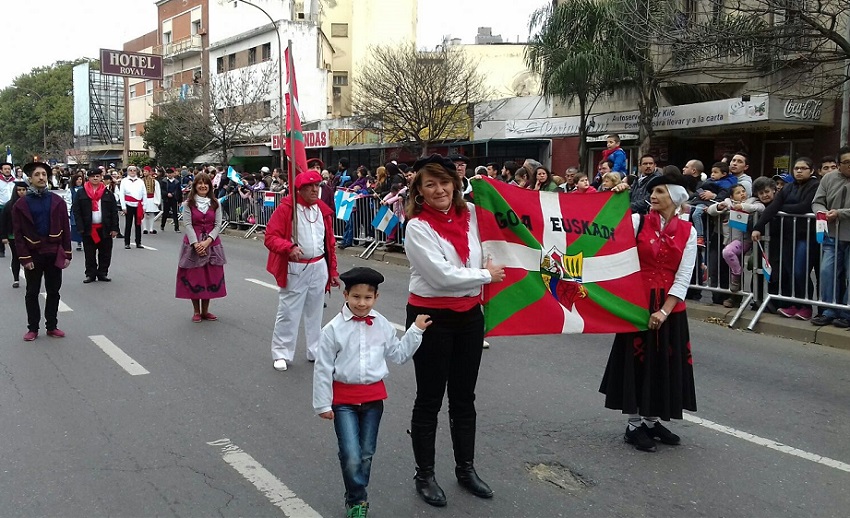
(616, 155)
(719, 184)
(609, 180)
(583, 184)
(782, 179)
(348, 386)
(737, 242)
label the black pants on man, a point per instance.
(129, 222)
(169, 209)
(44, 266)
(99, 255)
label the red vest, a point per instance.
(660, 253)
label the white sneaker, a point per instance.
(280, 365)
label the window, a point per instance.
(166, 38)
(231, 61)
(196, 77)
(148, 87)
(133, 130)
(132, 91)
(196, 27)
(340, 79)
(252, 56)
(267, 109)
(267, 51)
(219, 65)
(339, 30)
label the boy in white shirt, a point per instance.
(348, 385)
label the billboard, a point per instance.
(130, 64)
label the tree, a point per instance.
(415, 96)
(36, 112)
(178, 133)
(568, 49)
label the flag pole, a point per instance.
(291, 136)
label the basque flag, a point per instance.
(738, 220)
(344, 201)
(385, 220)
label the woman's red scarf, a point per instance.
(94, 194)
(452, 226)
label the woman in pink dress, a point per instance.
(200, 271)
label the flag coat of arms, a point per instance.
(385, 220)
(344, 201)
(571, 262)
(738, 220)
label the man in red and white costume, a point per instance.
(153, 199)
(132, 194)
(304, 269)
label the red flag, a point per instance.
(293, 121)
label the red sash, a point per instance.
(311, 260)
(140, 211)
(459, 304)
(95, 232)
(349, 394)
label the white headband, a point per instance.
(678, 194)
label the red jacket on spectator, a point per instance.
(279, 241)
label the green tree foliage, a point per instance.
(37, 113)
(178, 133)
(569, 48)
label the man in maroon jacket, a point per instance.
(304, 268)
(43, 240)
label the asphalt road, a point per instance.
(199, 424)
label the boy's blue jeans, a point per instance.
(356, 429)
(697, 219)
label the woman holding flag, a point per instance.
(650, 373)
(445, 282)
(200, 270)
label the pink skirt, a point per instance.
(204, 282)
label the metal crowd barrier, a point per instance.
(778, 244)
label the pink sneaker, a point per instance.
(789, 312)
(209, 316)
(804, 314)
(30, 336)
(56, 333)
(196, 318)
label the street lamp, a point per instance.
(282, 120)
(30, 93)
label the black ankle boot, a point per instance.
(463, 441)
(469, 480)
(423, 436)
(427, 487)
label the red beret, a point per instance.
(307, 178)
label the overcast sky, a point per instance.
(70, 29)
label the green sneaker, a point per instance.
(358, 511)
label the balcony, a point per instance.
(178, 93)
(181, 49)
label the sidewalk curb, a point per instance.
(768, 324)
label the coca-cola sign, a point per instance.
(804, 109)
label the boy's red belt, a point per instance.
(95, 232)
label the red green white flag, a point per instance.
(571, 262)
(293, 120)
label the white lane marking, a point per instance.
(146, 247)
(768, 443)
(120, 357)
(397, 326)
(273, 489)
(264, 284)
(63, 308)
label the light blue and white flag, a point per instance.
(9, 154)
(766, 269)
(344, 201)
(233, 175)
(385, 220)
(738, 220)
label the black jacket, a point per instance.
(82, 212)
(174, 188)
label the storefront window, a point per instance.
(778, 156)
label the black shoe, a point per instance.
(469, 480)
(639, 438)
(841, 323)
(139, 246)
(660, 433)
(79, 248)
(153, 231)
(119, 236)
(88, 280)
(177, 230)
(104, 278)
(343, 247)
(162, 229)
(144, 231)
(822, 320)
(127, 247)
(428, 489)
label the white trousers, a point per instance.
(303, 295)
(148, 221)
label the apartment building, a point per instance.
(139, 99)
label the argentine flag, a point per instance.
(233, 175)
(738, 220)
(344, 201)
(385, 221)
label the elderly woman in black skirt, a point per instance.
(446, 277)
(650, 374)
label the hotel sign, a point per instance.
(130, 64)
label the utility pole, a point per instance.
(845, 104)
